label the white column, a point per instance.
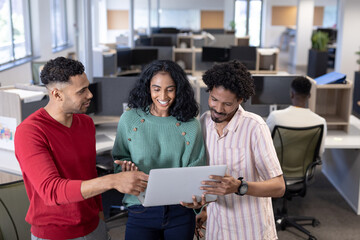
(348, 38)
(101, 30)
(149, 18)
(85, 37)
(158, 12)
(304, 27)
(131, 24)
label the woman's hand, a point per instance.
(200, 220)
(127, 165)
(195, 204)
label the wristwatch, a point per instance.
(243, 188)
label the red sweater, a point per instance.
(54, 160)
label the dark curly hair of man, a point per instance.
(184, 106)
(60, 69)
(301, 86)
(233, 76)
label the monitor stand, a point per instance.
(272, 107)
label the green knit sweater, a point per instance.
(157, 142)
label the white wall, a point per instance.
(348, 40)
(271, 34)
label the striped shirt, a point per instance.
(246, 148)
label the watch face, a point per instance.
(243, 189)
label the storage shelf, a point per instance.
(187, 55)
(332, 102)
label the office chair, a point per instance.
(14, 204)
(298, 153)
(112, 198)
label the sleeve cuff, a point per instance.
(73, 191)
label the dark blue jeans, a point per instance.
(163, 222)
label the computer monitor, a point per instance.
(143, 56)
(272, 90)
(161, 41)
(169, 30)
(245, 54)
(215, 54)
(124, 58)
(214, 30)
(93, 108)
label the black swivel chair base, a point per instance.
(282, 222)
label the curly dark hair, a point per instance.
(233, 76)
(301, 86)
(60, 69)
(184, 106)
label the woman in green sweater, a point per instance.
(159, 131)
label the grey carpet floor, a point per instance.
(337, 219)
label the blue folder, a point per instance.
(329, 78)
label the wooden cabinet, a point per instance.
(242, 41)
(267, 60)
(333, 102)
(191, 40)
(185, 57)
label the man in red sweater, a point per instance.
(55, 147)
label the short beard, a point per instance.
(216, 120)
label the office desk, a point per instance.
(105, 137)
(341, 162)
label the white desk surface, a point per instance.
(105, 137)
(336, 139)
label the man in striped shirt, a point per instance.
(242, 141)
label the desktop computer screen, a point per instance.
(245, 54)
(270, 90)
(143, 56)
(123, 58)
(215, 54)
(161, 41)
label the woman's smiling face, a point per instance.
(163, 93)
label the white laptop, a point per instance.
(167, 186)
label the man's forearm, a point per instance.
(274, 187)
(132, 182)
(96, 186)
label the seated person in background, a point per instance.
(55, 147)
(298, 115)
(159, 131)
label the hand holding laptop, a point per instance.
(219, 185)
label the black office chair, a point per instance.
(112, 199)
(298, 153)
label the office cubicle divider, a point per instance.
(113, 93)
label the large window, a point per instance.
(58, 24)
(15, 39)
(248, 20)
